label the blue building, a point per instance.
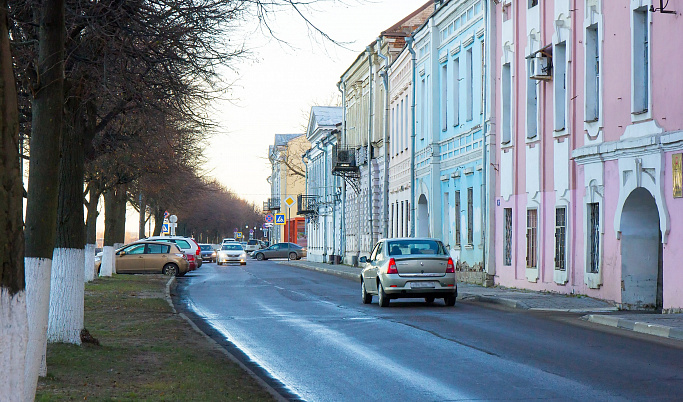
(449, 130)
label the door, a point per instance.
(281, 250)
(156, 257)
(371, 269)
(131, 259)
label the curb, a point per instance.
(636, 326)
(497, 300)
(342, 274)
(218, 347)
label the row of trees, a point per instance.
(110, 95)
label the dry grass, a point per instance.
(146, 353)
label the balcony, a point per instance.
(272, 204)
(306, 204)
(344, 161)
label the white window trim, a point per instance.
(637, 116)
(594, 128)
(508, 58)
(532, 272)
(595, 192)
(562, 277)
(567, 84)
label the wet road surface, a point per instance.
(310, 332)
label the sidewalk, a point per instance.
(597, 311)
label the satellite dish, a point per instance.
(173, 219)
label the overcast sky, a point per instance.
(275, 91)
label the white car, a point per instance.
(228, 240)
(252, 245)
(231, 252)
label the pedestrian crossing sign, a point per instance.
(279, 219)
(164, 228)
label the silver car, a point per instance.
(231, 252)
(408, 267)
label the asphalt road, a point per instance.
(310, 333)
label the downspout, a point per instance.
(371, 116)
(385, 139)
(342, 226)
(489, 160)
(409, 42)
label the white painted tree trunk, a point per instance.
(113, 265)
(89, 268)
(65, 321)
(13, 343)
(107, 267)
(37, 272)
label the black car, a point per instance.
(207, 252)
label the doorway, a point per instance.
(641, 252)
(422, 217)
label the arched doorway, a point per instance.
(641, 252)
(422, 217)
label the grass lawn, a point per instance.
(146, 352)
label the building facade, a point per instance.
(321, 202)
(590, 146)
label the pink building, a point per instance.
(588, 128)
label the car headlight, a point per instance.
(243, 255)
(213, 254)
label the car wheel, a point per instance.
(259, 257)
(449, 300)
(292, 256)
(367, 297)
(383, 298)
(170, 270)
(429, 300)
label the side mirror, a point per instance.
(363, 259)
(122, 253)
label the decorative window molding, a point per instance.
(641, 79)
(593, 201)
(593, 33)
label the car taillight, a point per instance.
(392, 267)
(190, 257)
(450, 268)
(195, 242)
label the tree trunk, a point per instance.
(13, 318)
(67, 289)
(94, 194)
(41, 208)
(143, 213)
(114, 226)
(158, 221)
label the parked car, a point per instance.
(252, 245)
(228, 240)
(186, 244)
(207, 252)
(280, 250)
(149, 257)
(232, 252)
(411, 267)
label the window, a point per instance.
(592, 74)
(135, 249)
(403, 127)
(594, 237)
(444, 97)
(457, 217)
(376, 251)
(483, 78)
(470, 216)
(560, 238)
(160, 249)
(641, 73)
(468, 83)
(401, 233)
(531, 237)
(423, 107)
(531, 103)
(407, 219)
(560, 84)
(391, 225)
(507, 103)
(507, 245)
(456, 92)
(446, 217)
(533, 3)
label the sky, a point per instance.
(274, 91)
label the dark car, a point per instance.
(207, 252)
(280, 250)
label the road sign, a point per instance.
(290, 201)
(279, 219)
(269, 218)
(238, 235)
(251, 231)
(268, 225)
(164, 229)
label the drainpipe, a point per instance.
(342, 226)
(488, 156)
(409, 42)
(385, 139)
(371, 115)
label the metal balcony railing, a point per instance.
(307, 204)
(272, 204)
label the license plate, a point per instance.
(422, 284)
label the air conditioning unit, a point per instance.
(540, 67)
(346, 157)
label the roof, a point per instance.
(411, 22)
(327, 115)
(282, 139)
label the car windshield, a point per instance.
(412, 247)
(206, 247)
(234, 246)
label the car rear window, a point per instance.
(182, 244)
(412, 247)
(252, 242)
(158, 248)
